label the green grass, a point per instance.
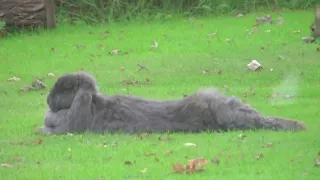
(175, 68)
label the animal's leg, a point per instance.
(277, 123)
(239, 119)
(45, 130)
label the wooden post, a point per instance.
(50, 14)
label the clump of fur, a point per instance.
(76, 106)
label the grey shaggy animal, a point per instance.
(76, 106)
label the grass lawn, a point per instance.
(186, 60)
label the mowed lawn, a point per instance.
(189, 57)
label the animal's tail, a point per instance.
(241, 120)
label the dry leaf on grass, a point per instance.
(194, 165)
(308, 39)
(80, 46)
(142, 67)
(280, 20)
(165, 139)
(17, 159)
(296, 32)
(150, 154)
(114, 52)
(259, 156)
(144, 170)
(50, 75)
(254, 65)
(178, 168)
(212, 34)
(242, 136)
(35, 85)
(188, 144)
(215, 160)
(37, 142)
(239, 15)
(169, 153)
(155, 45)
(15, 79)
(267, 145)
(128, 163)
(6, 164)
(264, 19)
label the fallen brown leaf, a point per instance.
(242, 136)
(150, 154)
(308, 39)
(17, 159)
(80, 46)
(296, 32)
(142, 67)
(178, 168)
(189, 144)
(169, 153)
(129, 163)
(50, 75)
(259, 156)
(274, 95)
(14, 79)
(37, 142)
(6, 164)
(114, 52)
(193, 165)
(168, 138)
(196, 165)
(144, 170)
(268, 145)
(215, 160)
(154, 45)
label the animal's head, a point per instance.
(66, 87)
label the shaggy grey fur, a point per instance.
(76, 106)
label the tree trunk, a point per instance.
(26, 13)
(317, 22)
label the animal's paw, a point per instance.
(45, 130)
